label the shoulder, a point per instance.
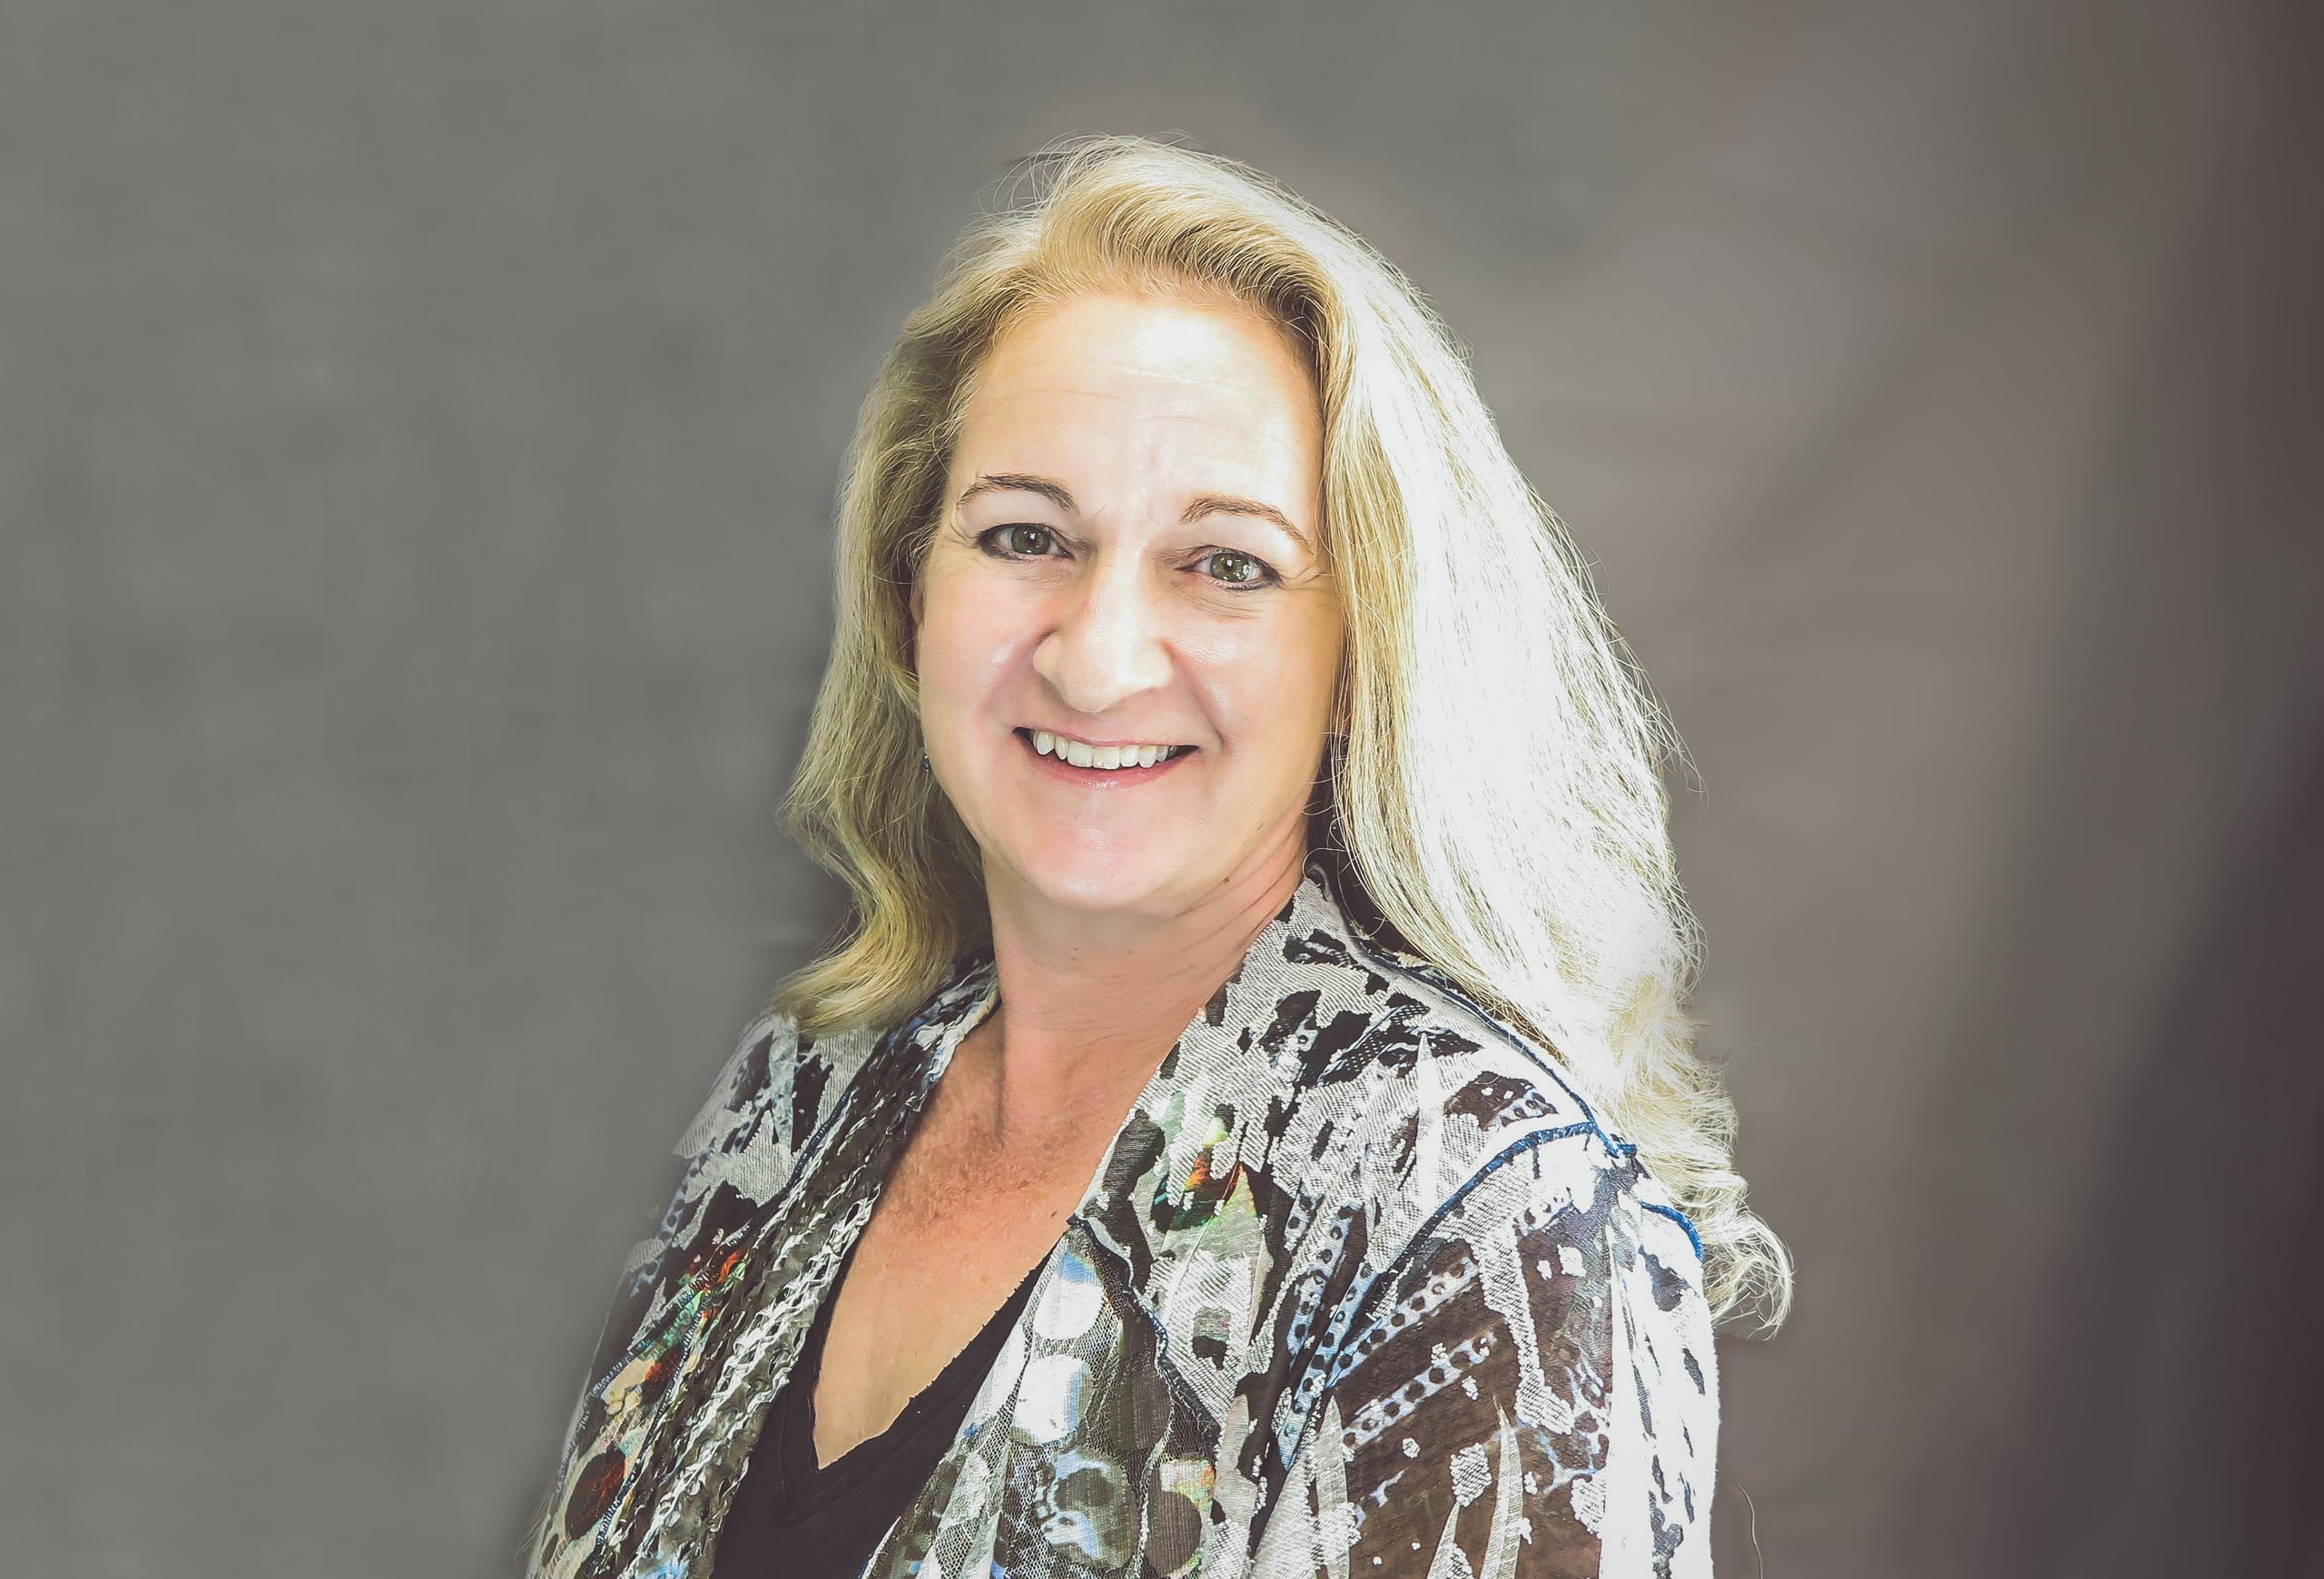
(780, 1086)
(1506, 1149)
(1449, 1101)
(767, 1100)
(1527, 1342)
(1406, 1100)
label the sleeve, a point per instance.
(1531, 1394)
(724, 1135)
(731, 1154)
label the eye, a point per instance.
(1009, 537)
(1240, 573)
(1250, 572)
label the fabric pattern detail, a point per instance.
(1362, 1288)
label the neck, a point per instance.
(1091, 1005)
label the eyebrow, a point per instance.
(1206, 504)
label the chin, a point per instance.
(1096, 884)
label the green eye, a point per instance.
(1007, 542)
(1254, 573)
(1023, 540)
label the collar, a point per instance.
(1318, 1023)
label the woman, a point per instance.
(1250, 1126)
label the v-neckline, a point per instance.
(979, 990)
(806, 1481)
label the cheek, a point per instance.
(966, 637)
(1269, 686)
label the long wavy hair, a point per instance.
(1495, 787)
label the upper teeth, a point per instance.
(1082, 756)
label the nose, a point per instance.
(1107, 644)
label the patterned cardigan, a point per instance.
(1362, 1288)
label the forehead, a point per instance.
(1125, 377)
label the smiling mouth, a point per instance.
(1055, 756)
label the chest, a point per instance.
(953, 1234)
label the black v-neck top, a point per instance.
(791, 1518)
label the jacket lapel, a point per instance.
(754, 1276)
(1121, 1405)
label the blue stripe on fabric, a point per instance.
(1362, 1305)
(1680, 1217)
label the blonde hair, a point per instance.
(1498, 794)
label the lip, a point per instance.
(1100, 778)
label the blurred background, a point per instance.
(418, 431)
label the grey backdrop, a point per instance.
(418, 426)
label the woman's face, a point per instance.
(1111, 568)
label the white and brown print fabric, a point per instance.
(1363, 1287)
